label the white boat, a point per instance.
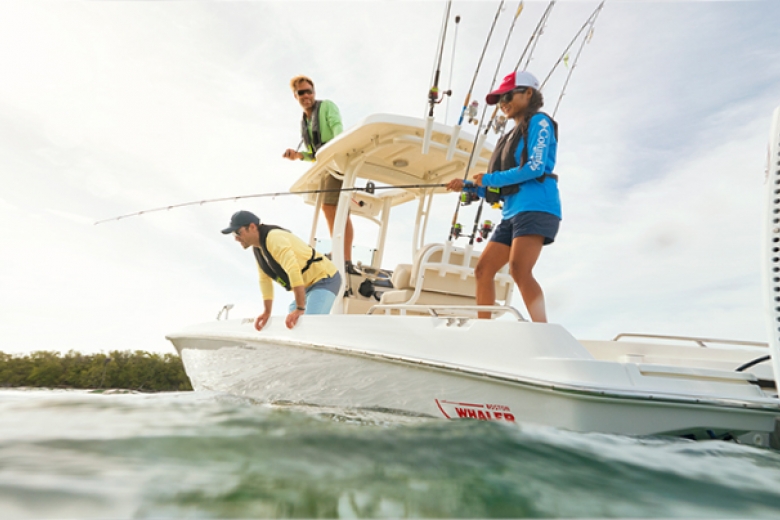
(417, 348)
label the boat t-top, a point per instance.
(405, 338)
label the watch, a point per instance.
(300, 308)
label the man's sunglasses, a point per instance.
(506, 97)
(304, 92)
(237, 232)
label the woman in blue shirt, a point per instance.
(521, 175)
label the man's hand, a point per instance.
(478, 179)
(292, 154)
(292, 318)
(261, 320)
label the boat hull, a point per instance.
(276, 366)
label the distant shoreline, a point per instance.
(137, 371)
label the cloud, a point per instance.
(116, 107)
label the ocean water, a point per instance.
(75, 454)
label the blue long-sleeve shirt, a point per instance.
(533, 195)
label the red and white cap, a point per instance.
(511, 82)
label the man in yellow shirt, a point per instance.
(286, 259)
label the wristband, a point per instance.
(300, 308)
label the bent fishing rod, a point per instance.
(370, 188)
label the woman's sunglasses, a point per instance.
(506, 97)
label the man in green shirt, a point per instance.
(321, 122)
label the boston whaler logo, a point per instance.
(482, 412)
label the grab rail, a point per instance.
(431, 309)
(699, 341)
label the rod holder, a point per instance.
(453, 142)
(426, 144)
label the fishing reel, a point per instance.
(467, 197)
(484, 231)
(499, 124)
(472, 112)
(433, 95)
(456, 231)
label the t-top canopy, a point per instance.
(387, 149)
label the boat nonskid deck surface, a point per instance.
(482, 369)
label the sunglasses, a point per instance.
(305, 91)
(506, 97)
(237, 232)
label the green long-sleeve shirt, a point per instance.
(330, 126)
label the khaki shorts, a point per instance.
(330, 182)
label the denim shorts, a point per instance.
(527, 223)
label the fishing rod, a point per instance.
(457, 127)
(487, 227)
(479, 63)
(452, 65)
(590, 19)
(433, 94)
(534, 38)
(370, 188)
(588, 37)
(531, 45)
(473, 234)
(479, 138)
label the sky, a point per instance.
(109, 108)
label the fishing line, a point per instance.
(590, 20)
(368, 188)
(585, 40)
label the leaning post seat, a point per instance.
(443, 275)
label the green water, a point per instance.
(72, 454)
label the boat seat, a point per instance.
(442, 275)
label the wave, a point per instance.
(75, 454)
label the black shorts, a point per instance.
(527, 223)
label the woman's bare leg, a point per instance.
(522, 259)
(494, 257)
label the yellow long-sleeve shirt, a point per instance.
(292, 253)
